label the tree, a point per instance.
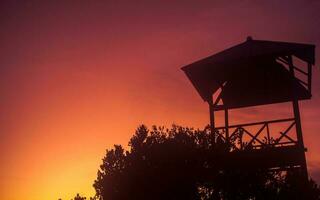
(183, 163)
(78, 197)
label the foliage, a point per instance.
(79, 197)
(183, 163)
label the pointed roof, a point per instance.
(249, 73)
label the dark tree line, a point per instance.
(181, 163)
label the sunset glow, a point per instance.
(77, 78)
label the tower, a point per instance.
(256, 73)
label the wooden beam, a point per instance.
(268, 134)
(247, 132)
(219, 107)
(218, 99)
(226, 123)
(282, 60)
(304, 83)
(257, 123)
(309, 77)
(257, 134)
(295, 105)
(300, 70)
(212, 123)
(284, 134)
(296, 111)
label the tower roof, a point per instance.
(249, 73)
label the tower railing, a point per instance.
(258, 135)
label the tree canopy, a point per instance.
(182, 163)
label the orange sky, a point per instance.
(77, 78)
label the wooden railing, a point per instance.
(242, 136)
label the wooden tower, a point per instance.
(255, 73)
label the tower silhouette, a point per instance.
(255, 73)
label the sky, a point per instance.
(77, 77)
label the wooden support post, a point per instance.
(212, 124)
(309, 76)
(295, 104)
(226, 122)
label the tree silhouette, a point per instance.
(78, 197)
(183, 163)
